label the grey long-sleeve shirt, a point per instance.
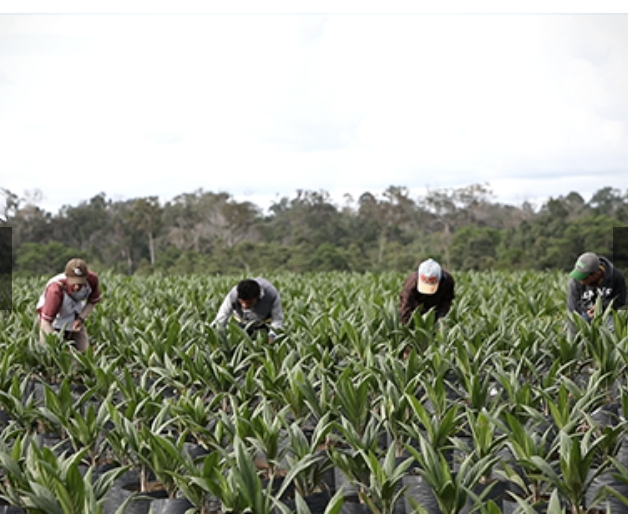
(268, 307)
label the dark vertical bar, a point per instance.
(6, 264)
(620, 249)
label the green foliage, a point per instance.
(474, 248)
(42, 482)
(39, 259)
(500, 391)
(211, 233)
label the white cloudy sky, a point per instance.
(345, 99)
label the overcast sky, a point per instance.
(343, 99)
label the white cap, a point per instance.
(429, 276)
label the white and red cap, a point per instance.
(429, 276)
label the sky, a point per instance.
(141, 99)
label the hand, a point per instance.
(591, 312)
(77, 325)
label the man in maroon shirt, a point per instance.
(429, 287)
(66, 301)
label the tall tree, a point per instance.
(146, 217)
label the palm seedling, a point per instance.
(609, 361)
(348, 457)
(486, 442)
(274, 371)
(438, 424)
(137, 398)
(198, 364)
(516, 393)
(351, 393)
(384, 486)
(85, 429)
(395, 383)
(568, 404)
(21, 409)
(300, 394)
(475, 362)
(315, 394)
(60, 404)
(133, 442)
(42, 482)
(422, 330)
(572, 475)
(607, 483)
(452, 490)
(615, 490)
(195, 418)
(307, 464)
(165, 458)
(526, 441)
(202, 482)
(80, 419)
(97, 371)
(268, 437)
(48, 357)
(241, 490)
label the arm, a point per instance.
(276, 316)
(407, 302)
(573, 297)
(45, 327)
(87, 309)
(225, 310)
(80, 320)
(53, 297)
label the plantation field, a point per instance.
(498, 410)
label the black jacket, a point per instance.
(410, 298)
(612, 290)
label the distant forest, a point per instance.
(211, 233)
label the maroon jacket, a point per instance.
(410, 298)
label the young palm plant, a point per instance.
(452, 490)
(485, 439)
(438, 425)
(350, 460)
(268, 437)
(384, 488)
(133, 442)
(242, 490)
(307, 463)
(525, 442)
(202, 482)
(573, 474)
(42, 482)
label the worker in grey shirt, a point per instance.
(255, 304)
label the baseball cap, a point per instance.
(429, 276)
(586, 264)
(76, 271)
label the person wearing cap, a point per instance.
(255, 305)
(68, 298)
(429, 287)
(594, 277)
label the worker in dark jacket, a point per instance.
(594, 277)
(428, 287)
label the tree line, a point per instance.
(212, 233)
